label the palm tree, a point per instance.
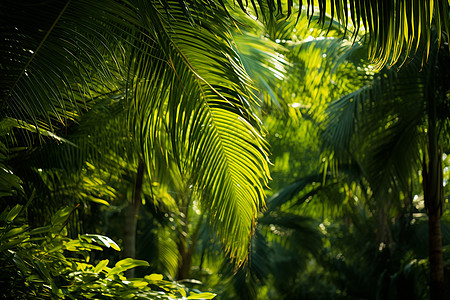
(394, 126)
(174, 64)
(343, 113)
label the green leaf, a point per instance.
(20, 263)
(126, 264)
(154, 277)
(131, 263)
(12, 214)
(202, 296)
(61, 216)
(136, 283)
(35, 278)
(182, 292)
(103, 240)
(40, 230)
(101, 265)
(15, 232)
(99, 200)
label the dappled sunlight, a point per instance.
(224, 149)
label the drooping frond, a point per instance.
(289, 192)
(55, 60)
(394, 27)
(183, 87)
(264, 62)
(67, 40)
(379, 126)
(197, 105)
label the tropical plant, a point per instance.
(43, 263)
(171, 67)
(353, 123)
(56, 65)
(354, 150)
(182, 108)
(394, 127)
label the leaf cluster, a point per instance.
(43, 263)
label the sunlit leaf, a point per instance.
(202, 296)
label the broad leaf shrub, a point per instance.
(43, 263)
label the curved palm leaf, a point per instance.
(382, 119)
(183, 87)
(199, 95)
(50, 54)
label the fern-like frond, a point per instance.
(192, 97)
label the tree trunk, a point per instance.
(437, 284)
(184, 261)
(186, 249)
(132, 210)
(384, 234)
(184, 264)
(434, 196)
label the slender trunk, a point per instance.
(433, 197)
(437, 284)
(132, 211)
(184, 260)
(432, 180)
(384, 234)
(184, 265)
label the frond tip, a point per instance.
(393, 27)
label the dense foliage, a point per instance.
(156, 124)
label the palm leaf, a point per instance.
(185, 92)
(191, 94)
(381, 124)
(49, 61)
(393, 27)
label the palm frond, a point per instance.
(265, 64)
(393, 27)
(183, 87)
(62, 46)
(380, 124)
(197, 102)
(54, 57)
(289, 192)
